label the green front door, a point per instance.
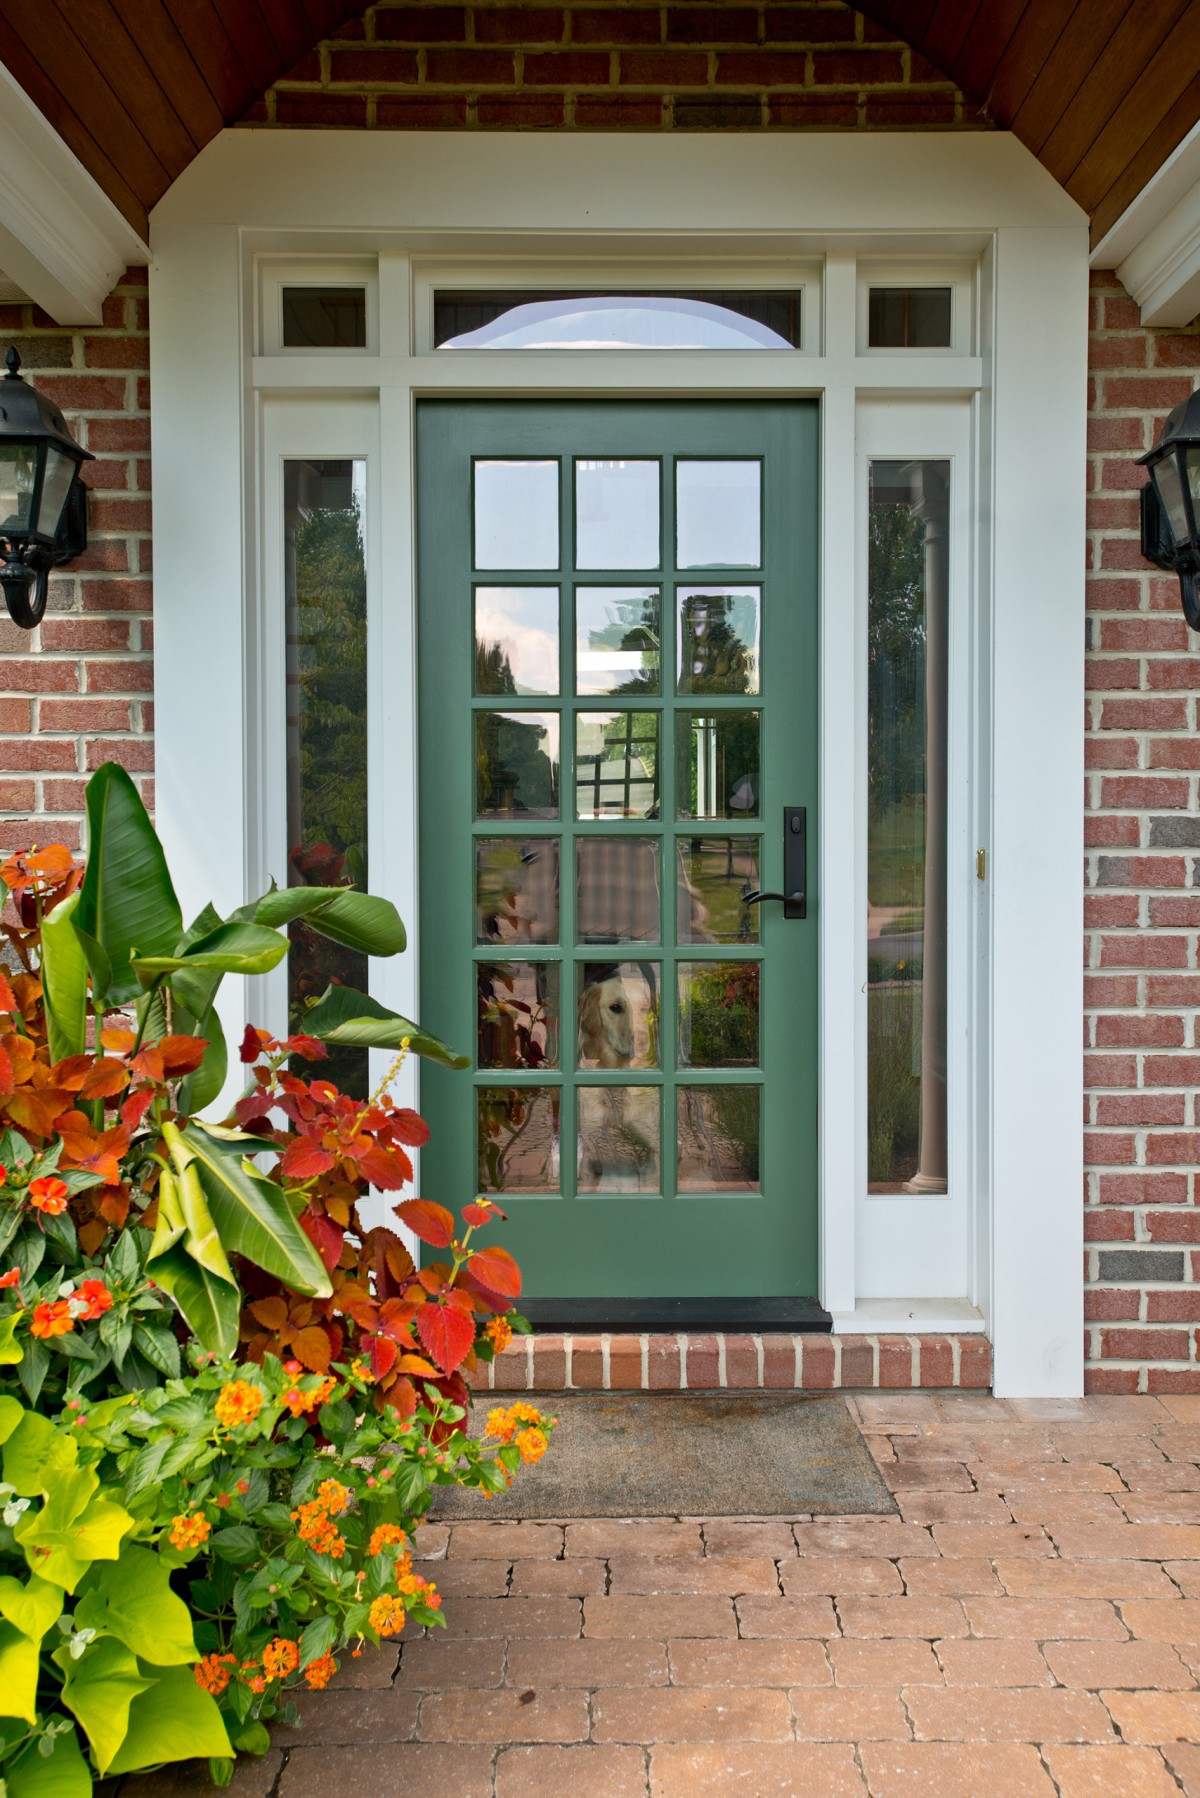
(618, 703)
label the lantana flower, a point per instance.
(238, 1402)
(190, 1531)
(214, 1672)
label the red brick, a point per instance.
(348, 112)
(419, 112)
(1117, 352)
(1101, 1306)
(741, 1363)
(1117, 1032)
(1181, 1225)
(1179, 1148)
(64, 795)
(85, 633)
(625, 1363)
(1144, 1345)
(975, 1362)
(84, 715)
(587, 1364)
(1110, 1379)
(84, 393)
(1111, 675)
(17, 795)
(134, 753)
(1122, 476)
(1169, 1379)
(1144, 792)
(373, 66)
(1110, 752)
(702, 1364)
(108, 553)
(712, 25)
(119, 514)
(519, 25)
(664, 1363)
(116, 352)
(1173, 989)
(1108, 1226)
(512, 110)
(1177, 1307)
(422, 25)
(1122, 552)
(908, 110)
(664, 68)
(1140, 1108)
(1143, 1189)
(621, 112)
(856, 68)
(1110, 989)
(15, 714)
(1116, 433)
(1145, 392)
(610, 25)
(117, 596)
(1144, 871)
(858, 1362)
(1141, 634)
(1175, 911)
(120, 677)
(895, 1362)
(937, 1361)
(808, 25)
(470, 68)
(1112, 512)
(812, 112)
(1174, 752)
(549, 1363)
(762, 68)
(109, 476)
(1107, 1151)
(1113, 1070)
(1162, 674)
(779, 1362)
(143, 394)
(37, 676)
(819, 1363)
(1177, 352)
(1144, 952)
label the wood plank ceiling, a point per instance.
(1101, 91)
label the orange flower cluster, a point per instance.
(532, 1444)
(320, 1673)
(52, 1320)
(503, 1425)
(411, 1585)
(49, 1195)
(499, 1334)
(214, 1672)
(387, 1615)
(280, 1658)
(300, 1403)
(387, 1535)
(334, 1496)
(314, 1521)
(190, 1531)
(238, 1402)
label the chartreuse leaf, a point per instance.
(33, 1450)
(10, 1349)
(78, 1524)
(173, 1721)
(18, 1673)
(342, 1015)
(127, 903)
(209, 1305)
(31, 1607)
(99, 1688)
(11, 1413)
(64, 974)
(252, 1214)
(62, 1773)
(230, 949)
(202, 1242)
(131, 1598)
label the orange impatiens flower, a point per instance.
(238, 1402)
(214, 1672)
(280, 1658)
(320, 1673)
(190, 1531)
(52, 1320)
(91, 1299)
(49, 1195)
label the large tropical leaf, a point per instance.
(251, 1214)
(202, 1087)
(64, 981)
(131, 1598)
(359, 920)
(100, 1688)
(196, 988)
(210, 1306)
(173, 1721)
(230, 949)
(342, 1015)
(127, 903)
(63, 1773)
(18, 1673)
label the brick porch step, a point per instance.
(672, 1363)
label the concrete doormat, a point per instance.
(688, 1454)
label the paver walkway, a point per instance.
(1030, 1625)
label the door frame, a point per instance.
(706, 209)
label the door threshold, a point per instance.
(748, 1315)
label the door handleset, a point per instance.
(795, 867)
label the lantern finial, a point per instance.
(13, 359)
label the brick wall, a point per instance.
(1142, 900)
(77, 692)
(787, 66)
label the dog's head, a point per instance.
(606, 1024)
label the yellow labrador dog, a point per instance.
(605, 1025)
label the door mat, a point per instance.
(687, 1454)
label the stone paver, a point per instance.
(1028, 1627)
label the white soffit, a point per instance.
(1155, 244)
(62, 241)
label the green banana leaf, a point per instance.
(202, 1087)
(342, 1015)
(359, 920)
(64, 981)
(230, 949)
(210, 1306)
(127, 903)
(252, 1215)
(196, 988)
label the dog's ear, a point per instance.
(589, 1019)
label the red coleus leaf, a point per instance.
(309, 1047)
(305, 1159)
(482, 1211)
(408, 1127)
(448, 1334)
(182, 1054)
(382, 1355)
(432, 1223)
(8, 1000)
(253, 1043)
(7, 1083)
(389, 1169)
(324, 1235)
(136, 1106)
(104, 1078)
(395, 1319)
(496, 1269)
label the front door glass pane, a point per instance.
(518, 1132)
(617, 640)
(516, 764)
(516, 514)
(619, 1014)
(325, 624)
(617, 897)
(907, 696)
(516, 639)
(718, 639)
(717, 765)
(619, 1139)
(516, 890)
(718, 1014)
(718, 1136)
(518, 1014)
(715, 874)
(617, 514)
(616, 764)
(718, 514)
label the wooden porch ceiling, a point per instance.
(1100, 90)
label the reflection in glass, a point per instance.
(18, 472)
(718, 1143)
(518, 1138)
(909, 318)
(618, 1138)
(516, 639)
(718, 1014)
(617, 636)
(716, 764)
(619, 1014)
(616, 514)
(766, 319)
(516, 514)
(718, 514)
(516, 889)
(518, 1014)
(324, 318)
(616, 764)
(516, 764)
(617, 891)
(907, 628)
(325, 624)
(718, 640)
(1170, 492)
(712, 875)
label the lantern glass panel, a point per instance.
(18, 467)
(1170, 492)
(1193, 477)
(55, 484)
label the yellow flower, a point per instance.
(238, 1402)
(387, 1616)
(532, 1444)
(190, 1530)
(500, 1425)
(499, 1334)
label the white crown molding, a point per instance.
(1155, 244)
(62, 241)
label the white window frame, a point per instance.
(708, 210)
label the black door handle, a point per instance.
(795, 866)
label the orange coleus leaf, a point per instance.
(432, 1223)
(79, 1138)
(8, 999)
(112, 1202)
(401, 1397)
(271, 1313)
(448, 1334)
(418, 1365)
(119, 1041)
(136, 1106)
(305, 1159)
(181, 1054)
(311, 1348)
(399, 1261)
(408, 1127)
(71, 1073)
(36, 1111)
(104, 1078)
(496, 1269)
(395, 1319)
(389, 1169)
(7, 1082)
(482, 1211)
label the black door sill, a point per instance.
(752, 1316)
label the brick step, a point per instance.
(673, 1363)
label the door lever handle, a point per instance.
(750, 897)
(795, 867)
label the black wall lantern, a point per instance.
(43, 502)
(1171, 503)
